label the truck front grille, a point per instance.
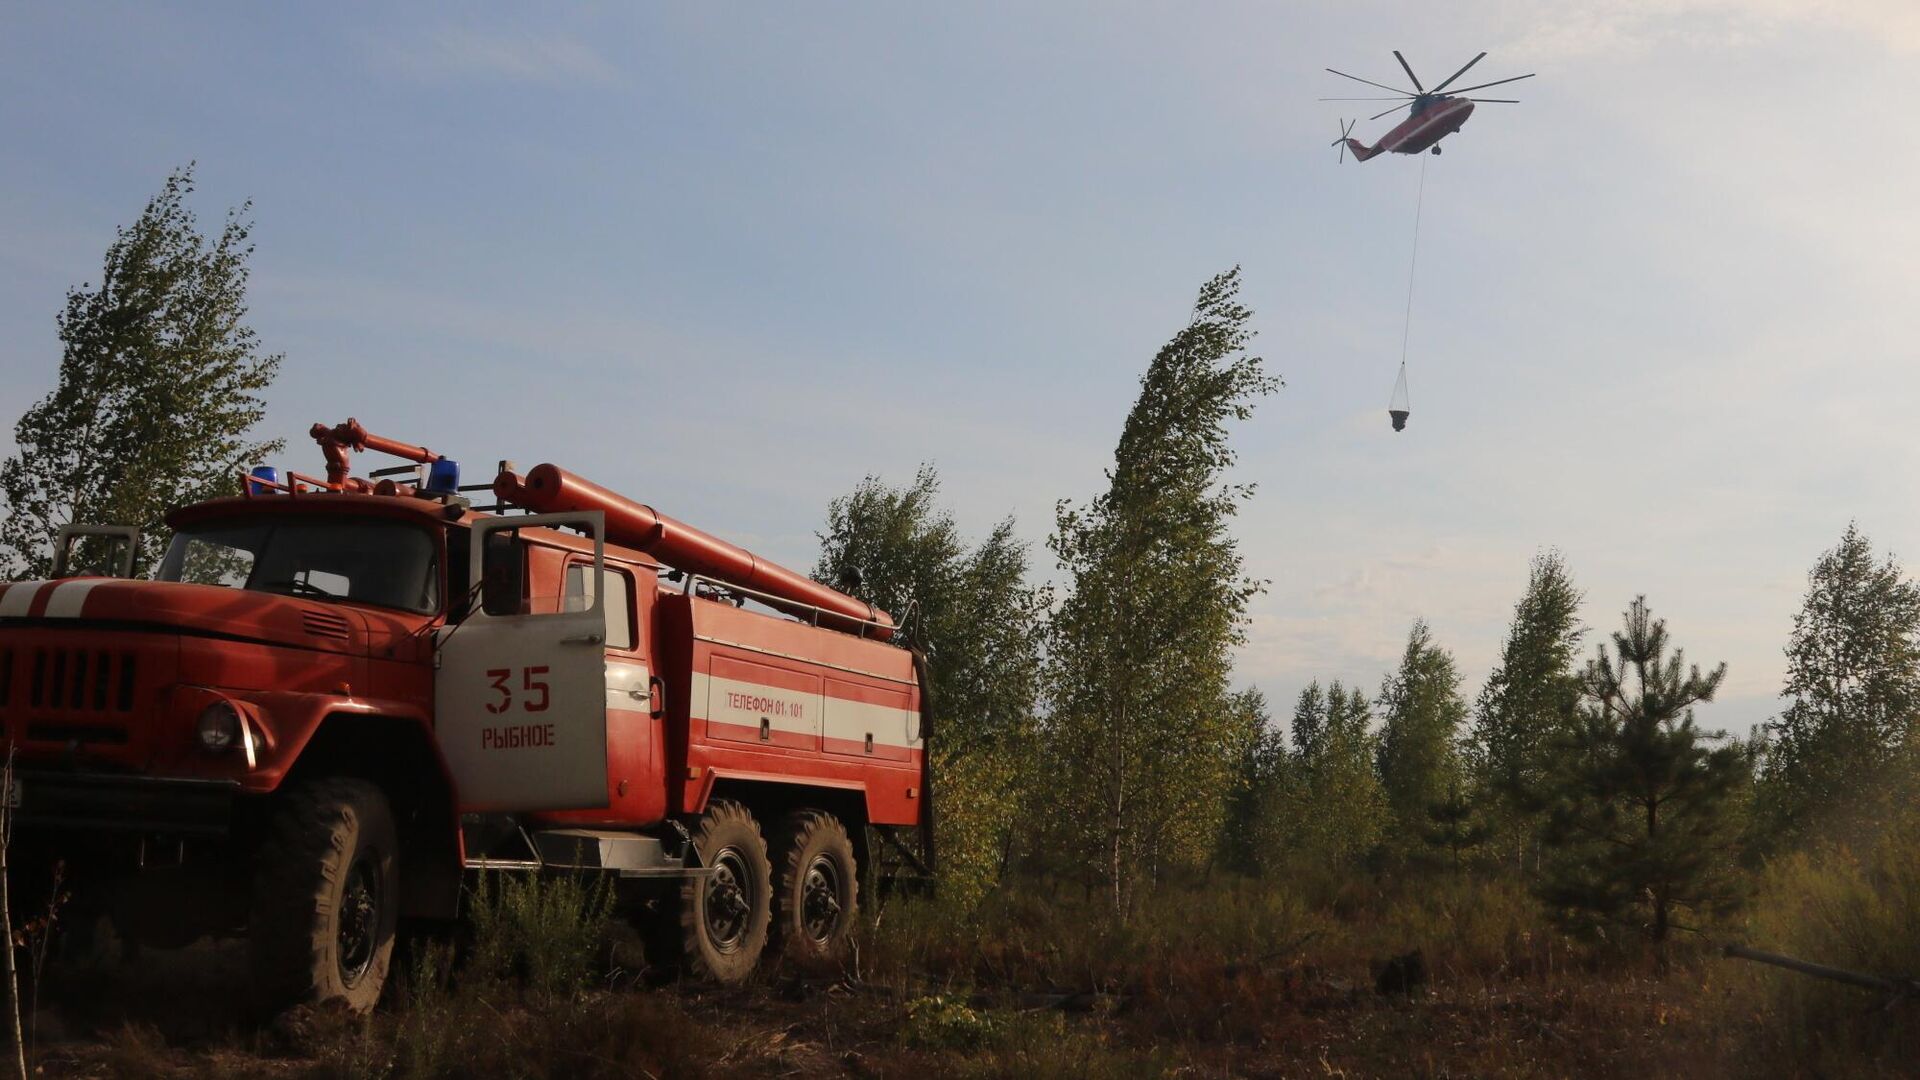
(82, 688)
(79, 680)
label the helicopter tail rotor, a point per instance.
(1346, 130)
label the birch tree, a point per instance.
(1142, 735)
(970, 608)
(160, 382)
(1852, 688)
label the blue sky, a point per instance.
(729, 260)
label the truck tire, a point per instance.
(325, 897)
(724, 916)
(818, 893)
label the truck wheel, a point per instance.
(325, 897)
(724, 916)
(819, 887)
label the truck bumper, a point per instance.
(103, 802)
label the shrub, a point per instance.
(1469, 925)
(1848, 907)
(941, 1023)
(542, 934)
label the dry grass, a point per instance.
(1853, 905)
(1222, 978)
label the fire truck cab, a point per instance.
(337, 700)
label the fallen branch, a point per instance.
(1897, 986)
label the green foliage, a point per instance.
(1646, 815)
(1419, 760)
(160, 380)
(1047, 1044)
(1853, 686)
(542, 934)
(1315, 808)
(982, 798)
(1456, 825)
(1262, 762)
(427, 1043)
(1327, 810)
(981, 625)
(1849, 905)
(1142, 740)
(941, 1023)
(1005, 1044)
(1466, 921)
(1528, 699)
(1310, 720)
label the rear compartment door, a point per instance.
(520, 689)
(870, 721)
(750, 702)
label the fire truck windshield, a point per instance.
(384, 563)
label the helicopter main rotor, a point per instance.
(1421, 97)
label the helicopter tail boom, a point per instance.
(1362, 151)
(1346, 142)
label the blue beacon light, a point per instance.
(443, 477)
(259, 473)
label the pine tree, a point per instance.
(1456, 824)
(160, 381)
(1419, 758)
(1140, 730)
(1529, 698)
(1853, 687)
(971, 610)
(1646, 819)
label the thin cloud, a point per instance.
(1583, 28)
(457, 52)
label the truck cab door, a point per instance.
(520, 683)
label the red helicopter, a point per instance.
(1436, 114)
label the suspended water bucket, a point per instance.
(1399, 407)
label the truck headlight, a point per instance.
(218, 727)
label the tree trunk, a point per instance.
(1659, 894)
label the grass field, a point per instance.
(1216, 978)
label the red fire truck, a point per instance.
(339, 699)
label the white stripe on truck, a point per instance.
(745, 704)
(17, 599)
(68, 598)
(855, 720)
(800, 712)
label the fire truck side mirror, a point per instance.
(95, 550)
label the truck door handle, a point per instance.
(656, 696)
(583, 639)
